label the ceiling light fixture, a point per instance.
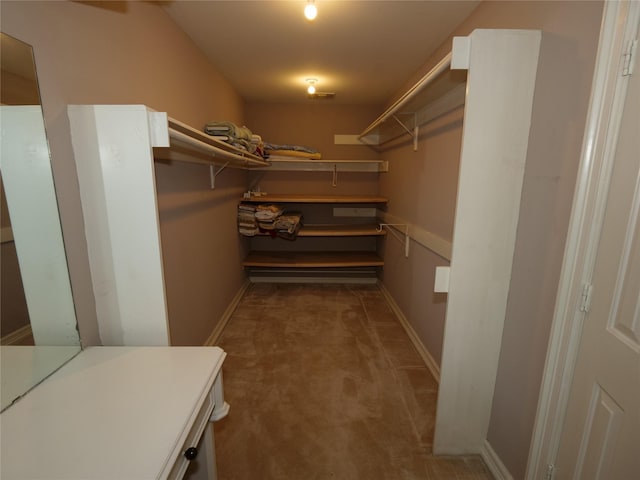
(310, 10)
(311, 89)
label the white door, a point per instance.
(601, 435)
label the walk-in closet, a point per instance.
(375, 276)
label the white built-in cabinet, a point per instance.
(119, 413)
(115, 146)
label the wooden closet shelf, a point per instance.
(191, 145)
(306, 165)
(312, 259)
(316, 199)
(338, 231)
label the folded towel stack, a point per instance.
(288, 224)
(229, 132)
(266, 216)
(247, 224)
(269, 219)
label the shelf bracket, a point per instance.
(413, 132)
(393, 232)
(334, 181)
(213, 174)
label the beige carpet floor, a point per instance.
(324, 383)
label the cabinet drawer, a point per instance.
(193, 438)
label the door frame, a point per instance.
(619, 25)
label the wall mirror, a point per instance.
(37, 317)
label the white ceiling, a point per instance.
(363, 50)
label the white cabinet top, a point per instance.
(110, 413)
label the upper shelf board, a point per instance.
(190, 145)
(308, 165)
(316, 199)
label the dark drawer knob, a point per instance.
(191, 453)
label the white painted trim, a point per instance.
(502, 69)
(619, 21)
(437, 244)
(226, 316)
(17, 336)
(460, 53)
(113, 149)
(429, 361)
(494, 463)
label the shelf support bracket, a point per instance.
(213, 174)
(393, 232)
(413, 132)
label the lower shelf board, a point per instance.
(337, 231)
(312, 259)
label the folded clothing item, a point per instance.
(268, 212)
(229, 132)
(228, 128)
(299, 151)
(257, 145)
(285, 226)
(298, 148)
(248, 231)
(288, 222)
(247, 224)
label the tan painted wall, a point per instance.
(570, 34)
(421, 189)
(132, 52)
(313, 125)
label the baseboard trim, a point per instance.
(226, 316)
(413, 336)
(16, 336)
(493, 462)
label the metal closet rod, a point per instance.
(440, 67)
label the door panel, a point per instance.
(601, 434)
(625, 321)
(600, 431)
